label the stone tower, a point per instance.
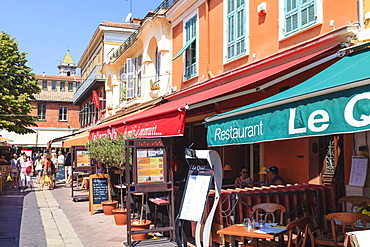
(67, 67)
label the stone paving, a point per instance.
(51, 218)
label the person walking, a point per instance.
(47, 172)
(26, 171)
(14, 171)
(38, 169)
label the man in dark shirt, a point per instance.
(273, 176)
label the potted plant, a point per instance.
(154, 89)
(140, 224)
(112, 153)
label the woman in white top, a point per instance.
(244, 180)
(38, 168)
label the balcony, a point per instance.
(92, 82)
(166, 4)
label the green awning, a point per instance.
(186, 46)
(334, 101)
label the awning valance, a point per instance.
(80, 139)
(334, 101)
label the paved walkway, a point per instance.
(50, 218)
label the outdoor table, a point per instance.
(159, 202)
(267, 232)
(357, 238)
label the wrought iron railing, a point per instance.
(166, 4)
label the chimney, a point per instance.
(43, 74)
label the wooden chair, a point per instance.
(270, 209)
(355, 201)
(303, 233)
(309, 209)
(341, 221)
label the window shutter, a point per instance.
(130, 77)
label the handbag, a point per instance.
(46, 179)
(28, 170)
(9, 178)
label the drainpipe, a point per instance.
(361, 13)
(209, 72)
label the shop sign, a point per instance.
(329, 114)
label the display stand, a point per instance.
(148, 160)
(205, 166)
(81, 166)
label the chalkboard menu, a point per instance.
(60, 173)
(99, 190)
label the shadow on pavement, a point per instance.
(11, 207)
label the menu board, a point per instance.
(358, 171)
(83, 158)
(150, 165)
(195, 197)
(99, 190)
(61, 172)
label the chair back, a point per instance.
(303, 233)
(343, 221)
(270, 209)
(309, 209)
(355, 201)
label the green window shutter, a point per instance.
(236, 28)
(299, 14)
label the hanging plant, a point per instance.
(154, 85)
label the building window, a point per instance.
(44, 85)
(70, 86)
(41, 111)
(191, 50)
(299, 14)
(236, 28)
(138, 75)
(78, 84)
(54, 86)
(62, 86)
(63, 113)
(130, 72)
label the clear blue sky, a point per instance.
(46, 29)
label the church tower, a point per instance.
(67, 67)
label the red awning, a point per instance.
(168, 119)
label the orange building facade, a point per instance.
(223, 42)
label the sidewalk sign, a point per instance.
(99, 190)
(61, 173)
(205, 167)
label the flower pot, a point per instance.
(108, 206)
(154, 93)
(135, 225)
(120, 216)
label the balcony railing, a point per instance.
(166, 4)
(88, 82)
(127, 44)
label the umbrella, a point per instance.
(3, 139)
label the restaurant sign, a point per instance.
(159, 126)
(340, 112)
